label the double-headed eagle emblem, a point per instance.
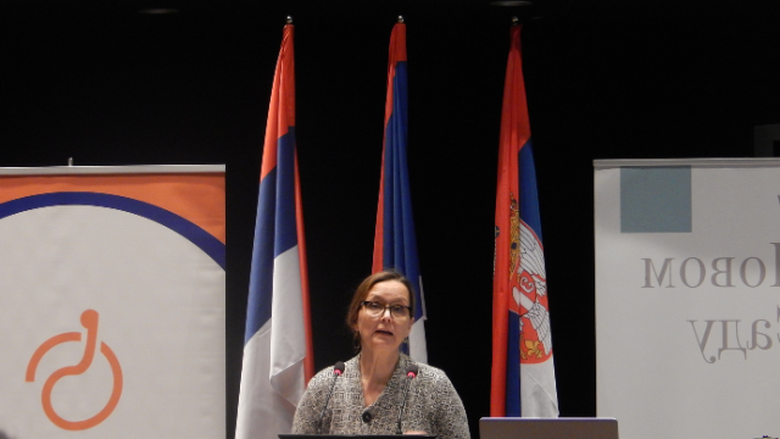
(529, 289)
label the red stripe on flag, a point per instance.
(308, 361)
(281, 115)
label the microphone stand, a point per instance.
(338, 368)
(411, 373)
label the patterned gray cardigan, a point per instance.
(432, 404)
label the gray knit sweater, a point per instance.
(432, 404)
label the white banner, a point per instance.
(688, 297)
(112, 314)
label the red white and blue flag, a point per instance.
(523, 374)
(395, 243)
(278, 359)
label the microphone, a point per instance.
(338, 369)
(411, 373)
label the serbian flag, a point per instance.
(395, 243)
(278, 359)
(523, 375)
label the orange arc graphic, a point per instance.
(89, 319)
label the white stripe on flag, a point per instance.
(417, 346)
(260, 408)
(288, 340)
(536, 381)
(272, 378)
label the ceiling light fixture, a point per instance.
(159, 11)
(510, 3)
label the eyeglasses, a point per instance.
(376, 309)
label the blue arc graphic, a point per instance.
(190, 231)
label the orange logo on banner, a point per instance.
(89, 319)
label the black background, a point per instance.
(101, 83)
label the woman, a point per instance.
(374, 394)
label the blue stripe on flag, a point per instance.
(276, 222)
(261, 273)
(513, 383)
(400, 241)
(529, 197)
(286, 235)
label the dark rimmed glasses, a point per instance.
(397, 311)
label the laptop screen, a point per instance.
(548, 428)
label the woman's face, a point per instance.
(384, 332)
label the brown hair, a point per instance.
(361, 292)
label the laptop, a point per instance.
(548, 428)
